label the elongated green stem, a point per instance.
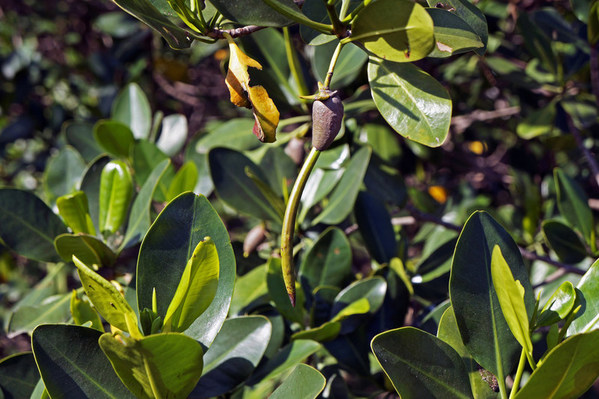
(289, 223)
(294, 66)
(355, 12)
(531, 361)
(338, 26)
(334, 58)
(519, 372)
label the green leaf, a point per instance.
(75, 212)
(146, 157)
(304, 382)
(374, 224)
(109, 302)
(413, 360)
(510, 294)
(278, 293)
(18, 376)
(248, 288)
(470, 15)
(143, 10)
(139, 217)
(196, 288)
(385, 144)
(327, 262)
(80, 135)
(477, 310)
(448, 332)
(349, 64)
(185, 180)
(342, 199)
(83, 312)
(235, 188)
(538, 122)
(573, 204)
(231, 134)
(371, 289)
(157, 366)
(252, 12)
(114, 137)
(567, 371)
(28, 226)
(320, 183)
(411, 101)
(587, 296)
(325, 332)
(116, 189)
(53, 309)
(131, 107)
(72, 365)
(396, 30)
(290, 355)
(559, 305)
(90, 185)
(173, 134)
(564, 241)
(281, 169)
(88, 249)
(452, 34)
(234, 354)
(63, 173)
(165, 251)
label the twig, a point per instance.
(418, 215)
(234, 33)
(587, 154)
(462, 122)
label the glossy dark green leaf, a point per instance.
(335, 157)
(185, 180)
(374, 224)
(83, 312)
(412, 359)
(343, 197)
(164, 253)
(146, 12)
(114, 137)
(397, 30)
(159, 365)
(173, 134)
(385, 144)
(116, 189)
(53, 309)
(587, 296)
(290, 355)
(88, 249)
(74, 210)
(564, 241)
(253, 12)
(131, 107)
(233, 134)
(80, 135)
(72, 364)
(448, 332)
(470, 14)
(349, 65)
(559, 305)
(107, 300)
(325, 332)
(372, 289)
(63, 173)
(304, 382)
(234, 354)
(90, 185)
(482, 325)
(327, 262)
(567, 371)
(281, 169)
(139, 217)
(385, 183)
(411, 101)
(28, 226)
(573, 204)
(235, 188)
(452, 34)
(280, 297)
(18, 376)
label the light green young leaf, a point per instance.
(559, 305)
(116, 189)
(185, 180)
(83, 312)
(196, 288)
(75, 212)
(157, 366)
(510, 294)
(107, 300)
(304, 382)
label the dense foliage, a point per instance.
(413, 213)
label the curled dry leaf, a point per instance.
(255, 97)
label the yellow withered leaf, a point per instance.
(265, 112)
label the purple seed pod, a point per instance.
(327, 116)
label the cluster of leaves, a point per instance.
(447, 311)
